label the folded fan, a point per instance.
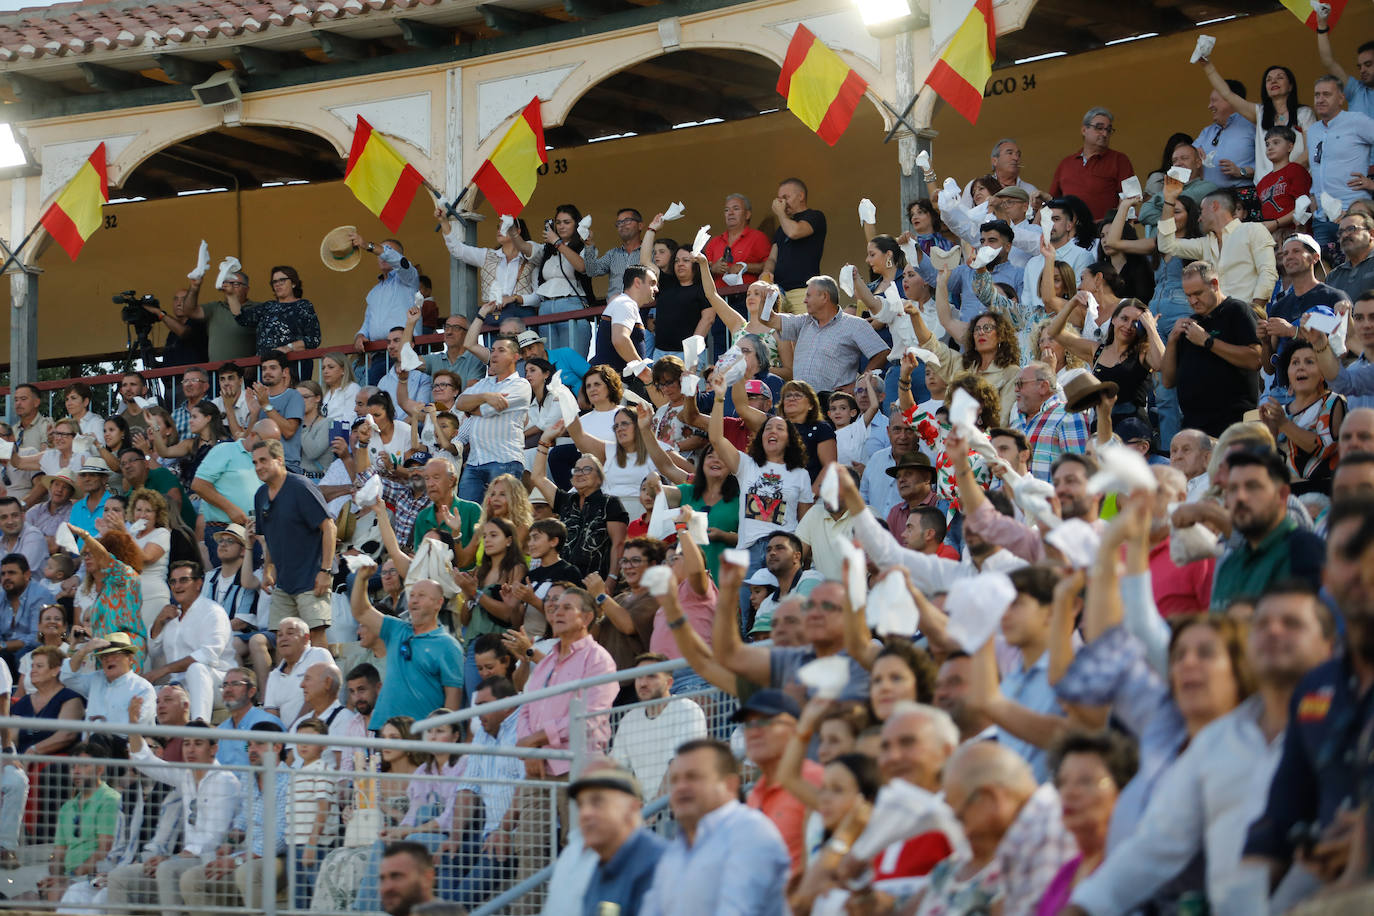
(827, 677)
(657, 579)
(674, 211)
(409, 360)
(1121, 470)
(868, 213)
(890, 609)
(202, 262)
(703, 236)
(975, 606)
(1077, 540)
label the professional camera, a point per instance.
(133, 311)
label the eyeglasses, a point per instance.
(626, 221)
(234, 684)
(276, 280)
(755, 724)
(632, 561)
(442, 385)
(1348, 230)
(180, 580)
(455, 326)
(985, 328)
(234, 283)
(829, 607)
(582, 469)
(1102, 128)
(64, 434)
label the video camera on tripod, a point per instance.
(139, 319)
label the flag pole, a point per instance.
(450, 208)
(13, 256)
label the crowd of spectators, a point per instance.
(1038, 551)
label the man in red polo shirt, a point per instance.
(1094, 173)
(740, 249)
(770, 720)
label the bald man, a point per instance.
(424, 665)
(320, 687)
(1357, 432)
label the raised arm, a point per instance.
(393, 547)
(539, 476)
(737, 656)
(1324, 52)
(1245, 109)
(1068, 338)
(1054, 304)
(953, 326)
(666, 466)
(985, 696)
(789, 774)
(693, 560)
(732, 319)
(1112, 236)
(693, 648)
(752, 416)
(363, 611)
(587, 443)
(716, 429)
(472, 342)
(646, 245)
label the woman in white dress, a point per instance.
(154, 539)
(340, 391)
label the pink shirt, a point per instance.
(550, 715)
(1180, 589)
(700, 611)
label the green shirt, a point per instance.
(228, 338)
(466, 512)
(1287, 552)
(81, 822)
(723, 515)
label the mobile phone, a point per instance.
(338, 430)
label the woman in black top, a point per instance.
(801, 406)
(50, 700)
(681, 309)
(1131, 351)
(596, 523)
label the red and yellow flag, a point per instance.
(378, 176)
(508, 176)
(962, 72)
(75, 214)
(1308, 17)
(820, 88)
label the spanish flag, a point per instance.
(507, 177)
(962, 72)
(819, 87)
(75, 215)
(378, 176)
(1308, 16)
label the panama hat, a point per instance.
(338, 252)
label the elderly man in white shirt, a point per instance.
(110, 688)
(284, 696)
(193, 638)
(320, 688)
(208, 797)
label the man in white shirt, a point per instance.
(232, 391)
(285, 697)
(109, 689)
(1242, 252)
(320, 688)
(195, 640)
(620, 330)
(1189, 452)
(496, 430)
(648, 735)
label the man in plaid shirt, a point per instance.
(406, 497)
(1051, 430)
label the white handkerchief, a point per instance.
(83, 444)
(506, 222)
(848, 274)
(419, 299)
(948, 198)
(1210, 159)
(1131, 187)
(146, 402)
(1046, 221)
(902, 811)
(372, 422)
(734, 279)
(1179, 173)
(357, 562)
(1321, 9)
(1093, 310)
(830, 487)
(1302, 210)
(856, 580)
(657, 579)
(1077, 541)
(634, 367)
(1331, 207)
(703, 236)
(913, 254)
(890, 609)
(692, 348)
(732, 363)
(690, 383)
(6, 449)
(138, 527)
(985, 256)
(202, 262)
(1192, 543)
(699, 528)
(1203, 48)
(1121, 470)
(923, 159)
(632, 398)
(229, 265)
(662, 517)
(827, 677)
(1322, 322)
(1033, 496)
(963, 411)
(409, 359)
(890, 306)
(368, 493)
(584, 227)
(868, 213)
(975, 606)
(674, 211)
(66, 540)
(568, 407)
(924, 355)
(735, 557)
(951, 185)
(427, 436)
(768, 304)
(433, 560)
(946, 259)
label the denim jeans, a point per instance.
(1170, 415)
(576, 334)
(473, 485)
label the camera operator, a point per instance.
(187, 337)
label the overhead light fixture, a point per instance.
(220, 89)
(891, 17)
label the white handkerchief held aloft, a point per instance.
(690, 383)
(368, 493)
(1322, 323)
(692, 348)
(1331, 207)
(1121, 470)
(924, 355)
(584, 227)
(950, 186)
(662, 517)
(83, 444)
(1046, 221)
(145, 402)
(427, 436)
(1131, 188)
(1180, 174)
(202, 262)
(1192, 543)
(1093, 311)
(699, 529)
(963, 411)
(636, 366)
(699, 243)
(1203, 49)
(674, 211)
(409, 360)
(890, 609)
(229, 265)
(357, 562)
(913, 254)
(433, 560)
(985, 256)
(372, 422)
(1077, 540)
(975, 606)
(830, 487)
(827, 677)
(856, 579)
(735, 557)
(868, 213)
(733, 365)
(66, 540)
(506, 222)
(657, 579)
(1321, 9)
(923, 160)
(848, 274)
(902, 811)
(419, 299)
(1033, 496)
(768, 304)
(1302, 210)
(632, 398)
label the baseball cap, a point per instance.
(1134, 429)
(762, 576)
(769, 702)
(755, 386)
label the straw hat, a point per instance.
(337, 252)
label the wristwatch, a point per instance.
(601, 598)
(268, 409)
(1209, 343)
(329, 572)
(529, 653)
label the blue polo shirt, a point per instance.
(84, 518)
(229, 469)
(418, 668)
(1235, 140)
(626, 878)
(235, 753)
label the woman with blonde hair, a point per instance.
(507, 498)
(339, 391)
(150, 523)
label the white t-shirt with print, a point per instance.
(769, 497)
